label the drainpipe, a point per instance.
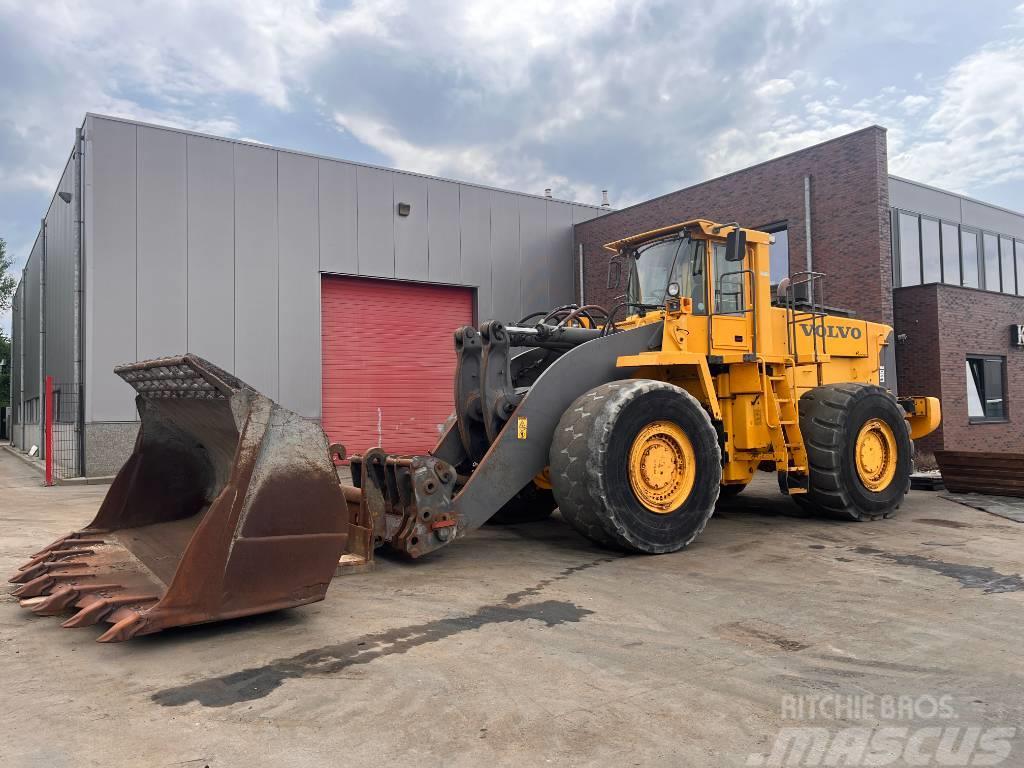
(807, 222)
(582, 300)
(76, 337)
(15, 311)
(21, 360)
(42, 337)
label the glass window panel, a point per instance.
(991, 246)
(910, 250)
(986, 399)
(1006, 265)
(950, 253)
(930, 251)
(969, 252)
(778, 256)
(994, 401)
(728, 283)
(975, 375)
(1020, 267)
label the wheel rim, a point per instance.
(876, 455)
(662, 466)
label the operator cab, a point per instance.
(678, 265)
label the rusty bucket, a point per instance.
(229, 505)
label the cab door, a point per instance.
(729, 288)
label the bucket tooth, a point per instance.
(83, 538)
(124, 629)
(64, 597)
(55, 603)
(45, 567)
(40, 585)
(98, 610)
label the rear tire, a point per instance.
(595, 445)
(859, 450)
(531, 505)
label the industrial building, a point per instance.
(945, 270)
(332, 287)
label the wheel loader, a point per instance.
(631, 420)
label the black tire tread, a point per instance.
(823, 416)
(579, 447)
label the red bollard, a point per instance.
(49, 429)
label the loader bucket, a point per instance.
(229, 505)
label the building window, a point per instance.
(991, 246)
(931, 255)
(969, 257)
(950, 253)
(1006, 265)
(778, 252)
(910, 249)
(1020, 267)
(986, 384)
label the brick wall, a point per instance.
(849, 218)
(977, 322)
(918, 363)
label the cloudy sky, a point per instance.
(636, 96)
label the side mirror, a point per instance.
(614, 273)
(736, 245)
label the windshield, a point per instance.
(657, 264)
(650, 269)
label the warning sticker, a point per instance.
(521, 428)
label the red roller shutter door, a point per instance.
(389, 361)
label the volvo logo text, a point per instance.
(832, 331)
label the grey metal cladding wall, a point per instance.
(506, 265)
(256, 268)
(475, 229)
(411, 250)
(444, 247)
(16, 313)
(110, 267)
(375, 226)
(535, 255)
(216, 247)
(299, 288)
(60, 281)
(31, 320)
(161, 245)
(211, 250)
(338, 207)
(920, 198)
(559, 251)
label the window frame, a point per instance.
(979, 256)
(774, 228)
(986, 419)
(921, 218)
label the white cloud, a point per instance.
(913, 103)
(775, 88)
(974, 137)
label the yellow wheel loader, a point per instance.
(632, 421)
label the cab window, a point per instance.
(729, 283)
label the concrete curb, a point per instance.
(40, 466)
(24, 458)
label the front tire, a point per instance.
(859, 450)
(636, 465)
